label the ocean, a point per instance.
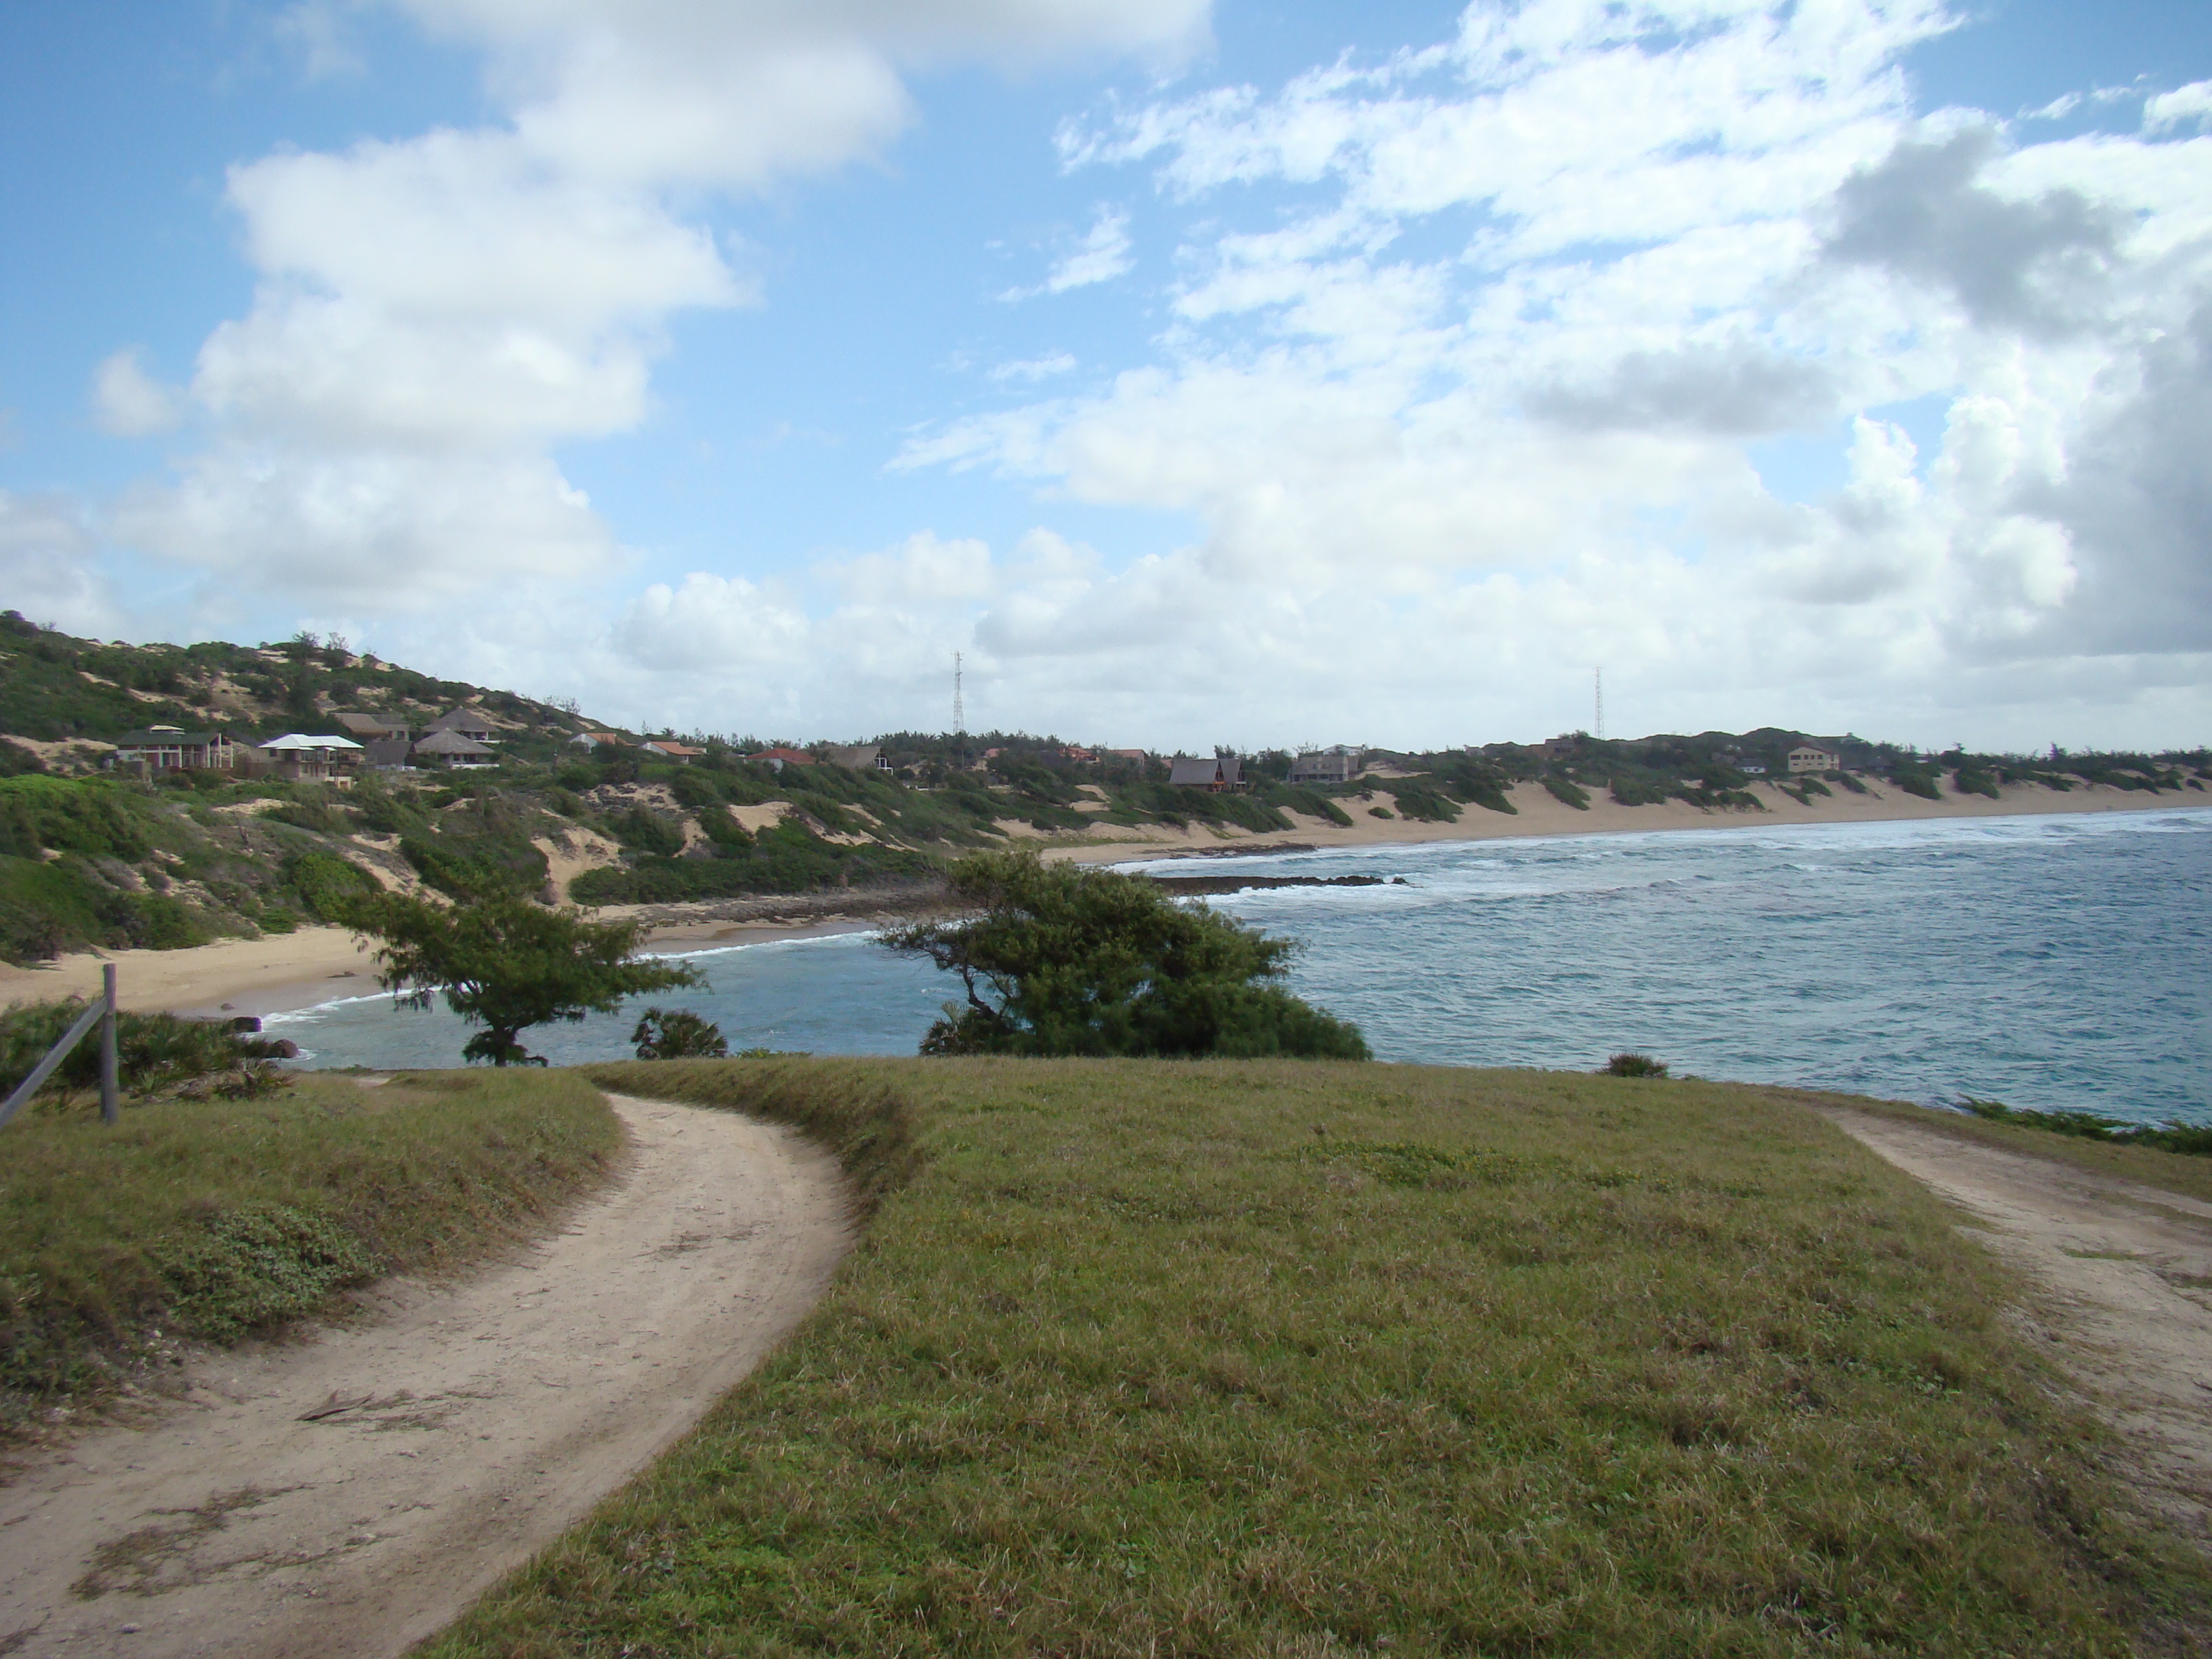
(2054, 961)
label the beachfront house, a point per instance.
(1805, 758)
(779, 757)
(463, 722)
(593, 739)
(367, 728)
(387, 754)
(312, 757)
(450, 749)
(682, 753)
(172, 749)
(1337, 765)
(861, 757)
(1217, 774)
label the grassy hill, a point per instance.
(1241, 1360)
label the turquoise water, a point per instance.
(2059, 962)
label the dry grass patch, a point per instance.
(1279, 1358)
(209, 1219)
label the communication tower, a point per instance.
(1601, 705)
(959, 704)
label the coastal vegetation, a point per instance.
(1063, 959)
(94, 861)
(153, 1051)
(209, 1219)
(2190, 1139)
(506, 964)
(1272, 1357)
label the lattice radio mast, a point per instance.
(959, 703)
(1601, 705)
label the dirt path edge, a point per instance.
(2121, 1280)
(346, 1497)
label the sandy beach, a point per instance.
(317, 964)
(302, 969)
(1537, 812)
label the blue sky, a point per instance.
(1240, 373)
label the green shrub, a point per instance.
(152, 1051)
(323, 880)
(319, 816)
(1634, 1066)
(1565, 789)
(678, 1034)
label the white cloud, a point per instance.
(1681, 230)
(1035, 368)
(2184, 105)
(46, 565)
(432, 313)
(129, 402)
(1102, 254)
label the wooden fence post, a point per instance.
(110, 1106)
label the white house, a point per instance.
(302, 756)
(1805, 758)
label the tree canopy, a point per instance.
(506, 963)
(1061, 959)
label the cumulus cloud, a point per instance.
(1100, 256)
(46, 564)
(2183, 106)
(433, 314)
(2038, 265)
(1652, 235)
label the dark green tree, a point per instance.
(678, 1034)
(1061, 959)
(506, 963)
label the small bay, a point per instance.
(2054, 962)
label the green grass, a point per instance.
(1269, 1358)
(210, 1219)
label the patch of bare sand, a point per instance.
(345, 1497)
(2123, 1273)
(570, 855)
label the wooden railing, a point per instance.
(100, 1013)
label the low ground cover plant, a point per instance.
(207, 1220)
(2190, 1139)
(1277, 1359)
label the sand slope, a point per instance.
(462, 1430)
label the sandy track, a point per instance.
(464, 1427)
(2123, 1273)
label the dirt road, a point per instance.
(2125, 1271)
(347, 1496)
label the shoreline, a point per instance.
(313, 965)
(1539, 814)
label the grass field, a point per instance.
(1228, 1359)
(209, 1219)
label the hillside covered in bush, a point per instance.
(96, 856)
